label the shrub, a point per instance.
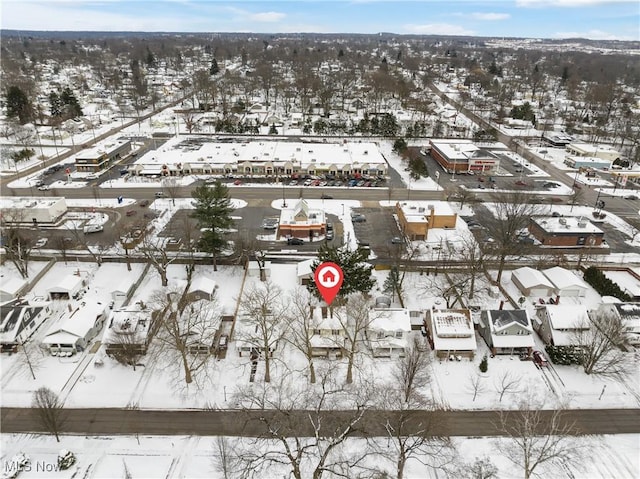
(564, 355)
(603, 285)
(484, 364)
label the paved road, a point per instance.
(248, 423)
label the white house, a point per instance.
(561, 325)
(629, 314)
(565, 282)
(451, 333)
(388, 332)
(507, 331)
(75, 329)
(18, 321)
(532, 282)
(328, 338)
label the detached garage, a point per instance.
(532, 282)
(69, 287)
(566, 283)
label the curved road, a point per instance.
(248, 423)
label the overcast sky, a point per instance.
(595, 19)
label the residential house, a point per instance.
(562, 325)
(531, 282)
(629, 315)
(127, 328)
(451, 333)
(74, 330)
(388, 332)
(18, 321)
(507, 331)
(304, 272)
(12, 288)
(328, 337)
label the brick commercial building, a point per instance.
(416, 218)
(566, 232)
(462, 156)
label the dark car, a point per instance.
(539, 359)
(295, 241)
(144, 203)
(326, 197)
(631, 197)
(358, 218)
(396, 240)
(131, 213)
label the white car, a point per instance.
(41, 242)
(44, 188)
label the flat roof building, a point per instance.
(567, 231)
(34, 210)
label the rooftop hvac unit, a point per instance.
(431, 207)
(582, 224)
(421, 209)
(563, 221)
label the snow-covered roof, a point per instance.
(130, 322)
(390, 320)
(203, 284)
(69, 284)
(449, 323)
(563, 278)
(303, 268)
(418, 211)
(76, 323)
(14, 317)
(531, 278)
(566, 224)
(301, 208)
(513, 340)
(12, 286)
(568, 316)
(503, 318)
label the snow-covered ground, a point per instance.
(604, 457)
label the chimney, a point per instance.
(324, 312)
(501, 305)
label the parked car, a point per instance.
(358, 218)
(631, 197)
(39, 183)
(295, 241)
(521, 183)
(160, 194)
(43, 188)
(328, 235)
(92, 229)
(539, 359)
(41, 242)
(224, 341)
(326, 197)
(396, 240)
(423, 331)
(144, 203)
(270, 223)
(131, 213)
(237, 182)
(293, 182)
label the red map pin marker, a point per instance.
(329, 279)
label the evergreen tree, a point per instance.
(356, 270)
(214, 67)
(392, 283)
(18, 105)
(72, 107)
(213, 212)
(150, 60)
(55, 104)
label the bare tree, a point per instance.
(302, 324)
(354, 318)
(449, 286)
(506, 383)
(190, 120)
(599, 346)
(302, 429)
(401, 411)
(481, 468)
(18, 243)
(263, 307)
(172, 187)
(48, 409)
(32, 356)
(155, 252)
(511, 214)
(187, 329)
(475, 385)
(225, 461)
(538, 440)
(125, 347)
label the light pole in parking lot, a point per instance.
(284, 200)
